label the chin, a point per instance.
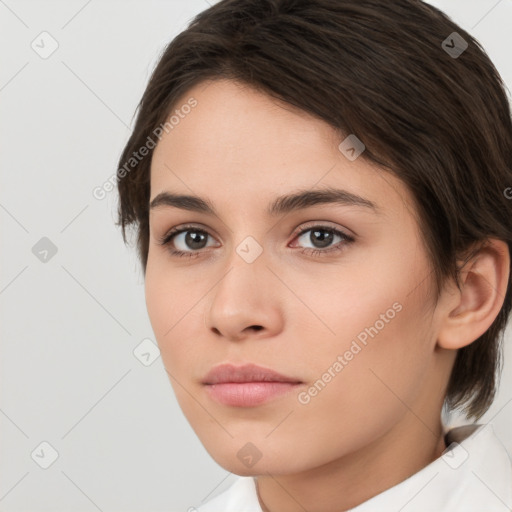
(260, 468)
(245, 458)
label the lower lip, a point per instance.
(248, 394)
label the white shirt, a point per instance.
(473, 475)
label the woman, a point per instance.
(319, 190)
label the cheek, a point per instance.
(172, 305)
(355, 399)
(170, 294)
(176, 325)
(379, 347)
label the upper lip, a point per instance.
(246, 373)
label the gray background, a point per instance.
(69, 325)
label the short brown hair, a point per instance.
(439, 122)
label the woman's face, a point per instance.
(344, 314)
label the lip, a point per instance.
(227, 372)
(248, 385)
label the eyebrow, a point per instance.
(279, 206)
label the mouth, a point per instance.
(246, 386)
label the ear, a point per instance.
(469, 312)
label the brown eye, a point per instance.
(185, 241)
(322, 238)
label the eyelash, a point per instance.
(167, 238)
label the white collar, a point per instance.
(473, 475)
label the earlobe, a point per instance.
(469, 312)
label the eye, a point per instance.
(322, 238)
(189, 240)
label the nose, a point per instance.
(245, 302)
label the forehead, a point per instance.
(238, 144)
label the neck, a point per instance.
(354, 478)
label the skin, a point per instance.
(378, 420)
